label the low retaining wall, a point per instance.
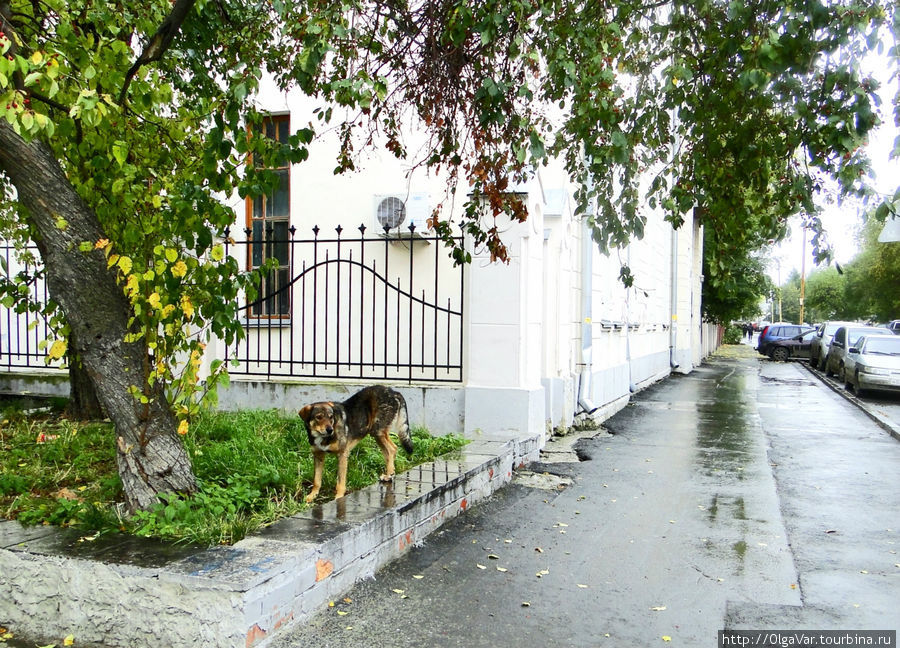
(125, 591)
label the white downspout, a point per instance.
(587, 329)
(673, 322)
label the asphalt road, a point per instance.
(745, 495)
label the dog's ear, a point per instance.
(305, 412)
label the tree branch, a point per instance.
(159, 43)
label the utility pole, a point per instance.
(803, 278)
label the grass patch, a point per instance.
(253, 467)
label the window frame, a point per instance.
(274, 309)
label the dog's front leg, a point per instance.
(319, 462)
(341, 474)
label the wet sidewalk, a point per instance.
(124, 591)
(720, 499)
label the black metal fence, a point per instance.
(368, 307)
(23, 331)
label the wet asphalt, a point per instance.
(745, 495)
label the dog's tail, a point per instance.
(402, 426)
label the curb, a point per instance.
(890, 426)
(125, 591)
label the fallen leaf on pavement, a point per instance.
(666, 638)
(69, 640)
(418, 576)
(397, 591)
(658, 608)
(480, 566)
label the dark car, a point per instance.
(778, 331)
(795, 347)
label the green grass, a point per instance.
(253, 467)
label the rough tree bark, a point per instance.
(84, 404)
(151, 457)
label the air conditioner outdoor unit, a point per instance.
(397, 212)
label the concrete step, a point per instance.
(123, 591)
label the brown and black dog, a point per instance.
(337, 427)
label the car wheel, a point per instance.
(860, 392)
(820, 363)
(779, 354)
(828, 372)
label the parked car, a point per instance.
(873, 363)
(795, 347)
(819, 349)
(844, 338)
(894, 325)
(777, 331)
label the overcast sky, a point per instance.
(843, 222)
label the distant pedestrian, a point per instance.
(748, 329)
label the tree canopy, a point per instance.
(136, 117)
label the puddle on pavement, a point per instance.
(724, 427)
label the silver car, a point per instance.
(819, 348)
(844, 338)
(873, 363)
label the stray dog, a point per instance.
(337, 427)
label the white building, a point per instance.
(533, 344)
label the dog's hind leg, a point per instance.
(341, 487)
(389, 450)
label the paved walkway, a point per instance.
(744, 495)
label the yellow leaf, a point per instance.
(658, 608)
(418, 576)
(666, 638)
(187, 306)
(179, 269)
(36, 58)
(183, 429)
(342, 613)
(171, 255)
(480, 566)
(69, 641)
(502, 569)
(102, 243)
(218, 253)
(125, 264)
(57, 350)
(397, 591)
(132, 286)
(153, 300)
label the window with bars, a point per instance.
(268, 223)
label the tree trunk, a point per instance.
(151, 457)
(84, 405)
